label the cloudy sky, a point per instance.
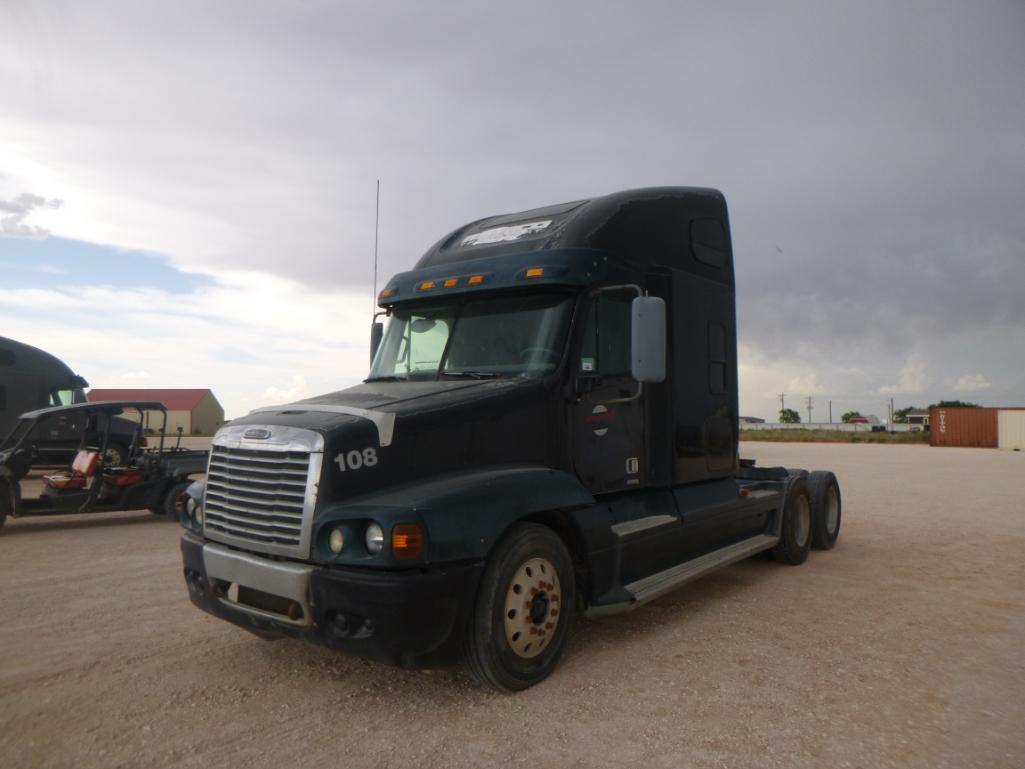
(187, 189)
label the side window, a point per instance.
(62, 397)
(606, 346)
(708, 242)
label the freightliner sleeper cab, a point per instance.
(549, 427)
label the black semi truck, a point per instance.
(32, 379)
(549, 427)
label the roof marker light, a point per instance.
(387, 292)
(535, 272)
(449, 282)
(425, 285)
(474, 280)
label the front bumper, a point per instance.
(413, 618)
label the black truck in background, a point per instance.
(32, 379)
(549, 426)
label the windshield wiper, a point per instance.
(473, 374)
(389, 378)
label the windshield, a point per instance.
(480, 338)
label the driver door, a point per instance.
(608, 422)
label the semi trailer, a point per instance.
(549, 427)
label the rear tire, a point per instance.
(173, 500)
(523, 611)
(795, 537)
(826, 507)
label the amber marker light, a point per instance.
(535, 272)
(387, 292)
(449, 282)
(407, 540)
(426, 285)
(474, 280)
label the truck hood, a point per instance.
(380, 402)
(381, 434)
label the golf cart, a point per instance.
(151, 478)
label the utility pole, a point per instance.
(891, 415)
(830, 412)
(782, 406)
(810, 401)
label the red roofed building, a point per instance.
(195, 411)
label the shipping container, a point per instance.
(963, 427)
(1011, 429)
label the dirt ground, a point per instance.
(903, 647)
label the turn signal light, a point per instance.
(535, 272)
(407, 540)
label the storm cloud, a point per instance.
(873, 155)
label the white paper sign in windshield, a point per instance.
(500, 234)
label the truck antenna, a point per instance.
(377, 220)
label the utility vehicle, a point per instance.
(549, 427)
(153, 478)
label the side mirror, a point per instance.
(648, 339)
(376, 333)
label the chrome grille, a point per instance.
(260, 494)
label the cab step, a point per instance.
(654, 586)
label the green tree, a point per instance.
(953, 405)
(789, 417)
(849, 415)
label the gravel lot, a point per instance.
(903, 647)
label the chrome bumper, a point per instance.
(286, 580)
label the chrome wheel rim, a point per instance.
(802, 520)
(832, 510)
(532, 605)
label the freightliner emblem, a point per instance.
(256, 434)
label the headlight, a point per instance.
(374, 538)
(194, 510)
(336, 541)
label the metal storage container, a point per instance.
(1011, 429)
(963, 427)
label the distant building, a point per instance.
(751, 421)
(194, 411)
(918, 417)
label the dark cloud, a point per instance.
(15, 211)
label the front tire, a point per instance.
(795, 537)
(523, 612)
(174, 498)
(826, 509)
